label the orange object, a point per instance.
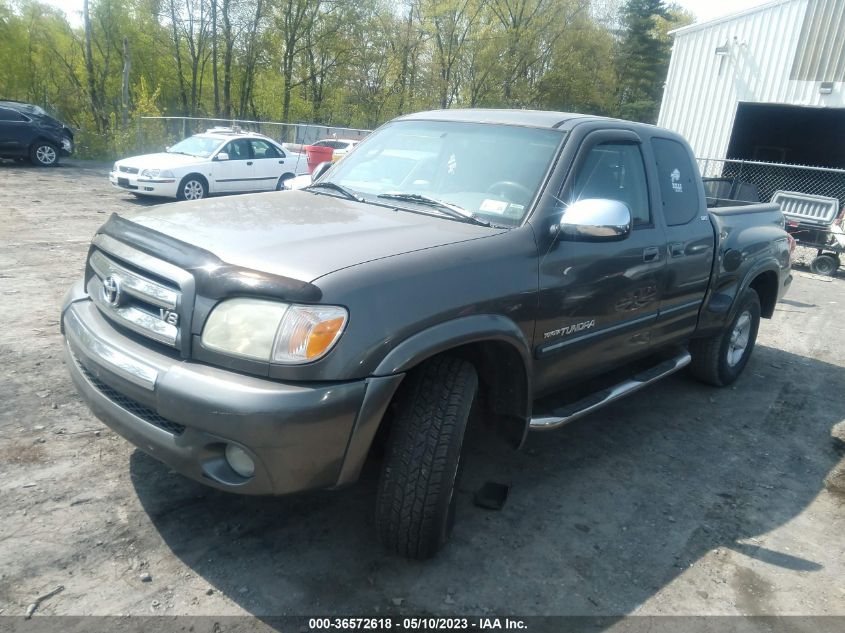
(317, 154)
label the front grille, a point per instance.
(128, 170)
(132, 406)
(127, 294)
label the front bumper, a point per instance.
(300, 436)
(166, 187)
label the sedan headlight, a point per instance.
(271, 331)
(156, 173)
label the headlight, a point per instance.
(271, 331)
(149, 173)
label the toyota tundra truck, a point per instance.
(529, 266)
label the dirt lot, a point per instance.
(680, 500)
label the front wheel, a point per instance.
(720, 359)
(192, 188)
(44, 154)
(415, 507)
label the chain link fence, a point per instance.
(771, 177)
(153, 134)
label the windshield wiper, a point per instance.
(451, 210)
(336, 187)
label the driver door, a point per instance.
(599, 300)
(236, 173)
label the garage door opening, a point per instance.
(789, 134)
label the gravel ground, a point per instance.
(682, 499)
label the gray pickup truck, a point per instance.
(534, 266)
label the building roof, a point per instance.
(698, 26)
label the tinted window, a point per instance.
(11, 115)
(615, 171)
(677, 178)
(262, 149)
(238, 150)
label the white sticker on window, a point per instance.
(676, 181)
(493, 206)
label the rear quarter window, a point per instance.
(677, 177)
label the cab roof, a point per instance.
(528, 118)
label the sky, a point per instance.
(702, 9)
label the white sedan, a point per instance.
(217, 161)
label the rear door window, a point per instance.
(262, 149)
(676, 176)
(11, 115)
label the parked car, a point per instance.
(261, 347)
(27, 132)
(340, 146)
(220, 160)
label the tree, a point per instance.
(642, 60)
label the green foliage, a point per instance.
(350, 63)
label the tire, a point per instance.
(44, 154)
(280, 185)
(192, 187)
(415, 506)
(718, 360)
(824, 265)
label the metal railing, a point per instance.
(153, 133)
(771, 177)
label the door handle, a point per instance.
(249, 162)
(651, 254)
(676, 249)
(281, 162)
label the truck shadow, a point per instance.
(602, 514)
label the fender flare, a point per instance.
(720, 308)
(450, 334)
(768, 265)
(512, 401)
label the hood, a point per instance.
(162, 160)
(302, 235)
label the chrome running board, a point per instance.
(566, 414)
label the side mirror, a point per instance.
(595, 220)
(222, 156)
(320, 169)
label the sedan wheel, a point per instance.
(192, 189)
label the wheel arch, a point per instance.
(493, 344)
(498, 349)
(765, 284)
(198, 176)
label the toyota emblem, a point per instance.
(111, 290)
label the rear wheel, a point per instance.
(192, 187)
(720, 359)
(825, 265)
(280, 185)
(415, 507)
(44, 154)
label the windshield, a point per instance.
(491, 171)
(201, 146)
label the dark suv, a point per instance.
(28, 132)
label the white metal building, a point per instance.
(767, 84)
